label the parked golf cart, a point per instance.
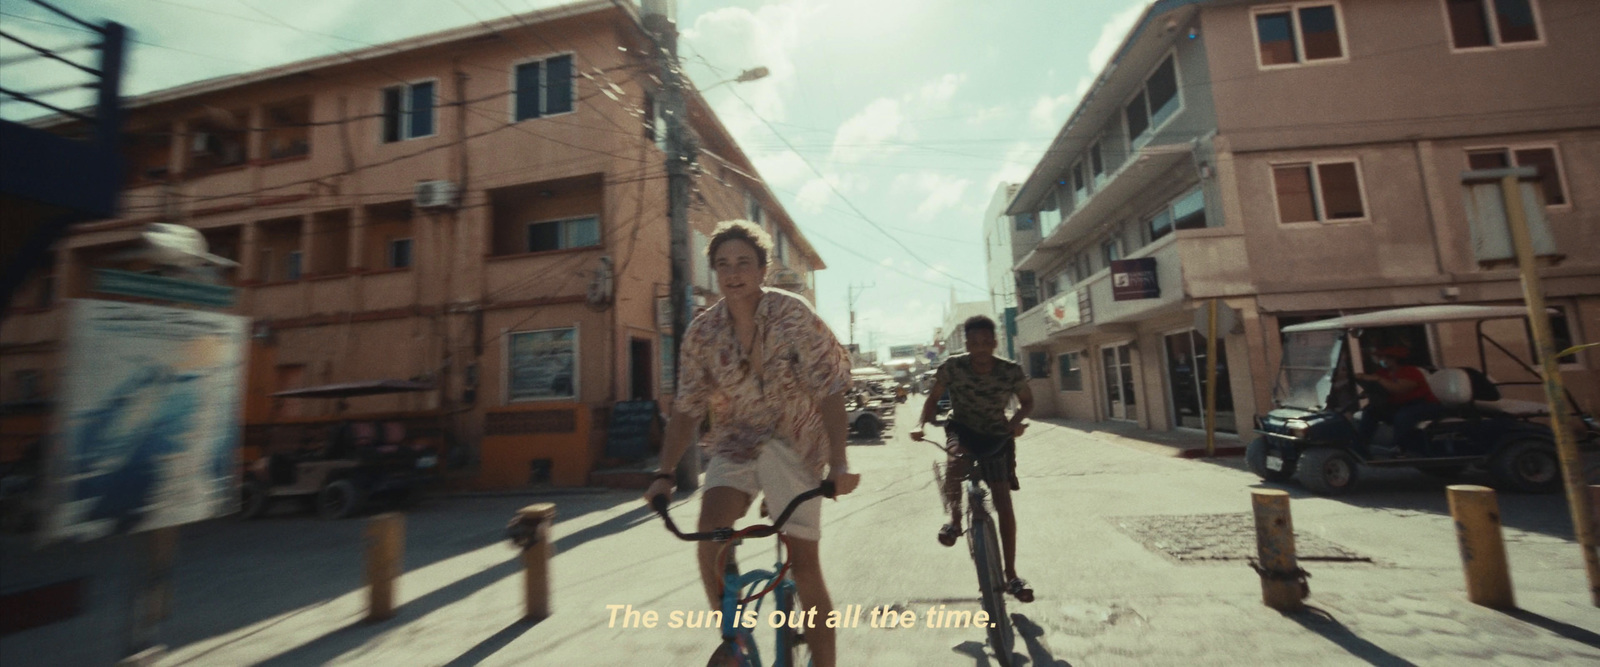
(353, 462)
(1310, 434)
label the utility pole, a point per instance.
(852, 291)
(660, 20)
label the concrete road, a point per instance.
(1136, 556)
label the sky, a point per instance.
(884, 126)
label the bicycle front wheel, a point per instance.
(793, 651)
(985, 544)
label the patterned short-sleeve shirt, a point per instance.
(978, 400)
(778, 394)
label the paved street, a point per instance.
(1127, 571)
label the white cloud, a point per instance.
(939, 91)
(734, 39)
(1112, 33)
(815, 194)
(936, 192)
(1050, 111)
(864, 134)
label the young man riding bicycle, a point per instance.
(980, 386)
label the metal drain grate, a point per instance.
(1198, 538)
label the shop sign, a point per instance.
(1133, 279)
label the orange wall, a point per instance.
(510, 449)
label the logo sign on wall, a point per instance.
(148, 422)
(1134, 279)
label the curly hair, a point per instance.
(741, 230)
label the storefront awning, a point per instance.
(362, 388)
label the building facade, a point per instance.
(483, 209)
(1295, 161)
(1005, 239)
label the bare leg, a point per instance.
(954, 472)
(720, 506)
(807, 569)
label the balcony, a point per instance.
(1037, 326)
(1146, 170)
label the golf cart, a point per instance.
(1310, 434)
(348, 464)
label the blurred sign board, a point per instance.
(1134, 279)
(628, 432)
(148, 424)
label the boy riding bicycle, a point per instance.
(980, 386)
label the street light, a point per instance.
(746, 76)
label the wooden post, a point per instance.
(1554, 391)
(386, 540)
(1483, 553)
(536, 559)
(1282, 582)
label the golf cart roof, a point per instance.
(1412, 315)
(348, 389)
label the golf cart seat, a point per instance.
(1515, 407)
(1453, 388)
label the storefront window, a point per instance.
(542, 365)
(1186, 381)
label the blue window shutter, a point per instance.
(527, 91)
(558, 85)
(422, 109)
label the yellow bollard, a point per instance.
(1283, 585)
(1594, 506)
(1483, 553)
(386, 540)
(531, 531)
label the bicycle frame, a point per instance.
(745, 653)
(984, 546)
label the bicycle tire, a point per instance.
(792, 651)
(728, 654)
(985, 545)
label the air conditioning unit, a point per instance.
(435, 194)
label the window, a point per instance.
(1298, 34)
(1097, 167)
(752, 207)
(563, 234)
(544, 88)
(1488, 23)
(1561, 338)
(1082, 266)
(408, 111)
(1111, 250)
(1156, 102)
(1071, 375)
(1027, 290)
(266, 265)
(399, 253)
(288, 129)
(1189, 211)
(1023, 222)
(542, 365)
(1080, 185)
(780, 248)
(1161, 224)
(1050, 215)
(1038, 364)
(218, 140)
(1319, 191)
(292, 264)
(1544, 159)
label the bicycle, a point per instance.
(739, 648)
(983, 542)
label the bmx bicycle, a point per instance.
(983, 542)
(739, 647)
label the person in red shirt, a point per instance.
(1410, 401)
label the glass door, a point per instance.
(1186, 382)
(1117, 363)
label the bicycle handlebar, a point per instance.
(659, 504)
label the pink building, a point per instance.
(483, 209)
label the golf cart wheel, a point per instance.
(252, 499)
(339, 499)
(1529, 466)
(869, 426)
(1326, 471)
(1255, 456)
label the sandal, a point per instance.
(1018, 588)
(948, 535)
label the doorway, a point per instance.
(1186, 380)
(1117, 362)
(641, 365)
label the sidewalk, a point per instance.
(1180, 443)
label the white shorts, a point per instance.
(780, 473)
